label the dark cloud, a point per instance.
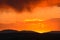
(58, 4)
(20, 5)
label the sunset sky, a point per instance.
(42, 11)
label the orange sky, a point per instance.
(42, 12)
(45, 13)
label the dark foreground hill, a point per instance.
(28, 35)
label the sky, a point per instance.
(38, 13)
(20, 10)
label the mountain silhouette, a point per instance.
(53, 35)
(19, 35)
(28, 35)
(8, 31)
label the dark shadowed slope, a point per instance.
(53, 35)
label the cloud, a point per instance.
(53, 23)
(20, 5)
(58, 4)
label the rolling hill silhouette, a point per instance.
(28, 35)
(8, 31)
(18, 35)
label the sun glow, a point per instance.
(36, 25)
(33, 20)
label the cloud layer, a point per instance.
(20, 5)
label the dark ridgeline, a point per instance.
(8, 31)
(18, 35)
(53, 35)
(28, 35)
